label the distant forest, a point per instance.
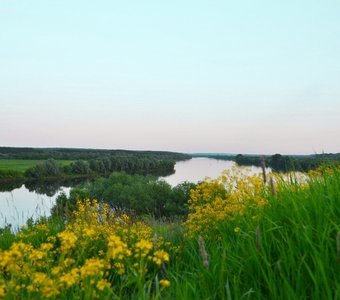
(67, 163)
(278, 162)
(88, 162)
(84, 154)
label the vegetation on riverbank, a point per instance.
(244, 240)
(15, 169)
(135, 194)
(95, 251)
(28, 163)
(278, 162)
(84, 154)
(21, 165)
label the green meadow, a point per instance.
(21, 165)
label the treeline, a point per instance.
(135, 194)
(88, 162)
(281, 163)
(84, 154)
(278, 162)
(50, 168)
(215, 156)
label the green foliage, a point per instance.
(80, 167)
(103, 165)
(19, 171)
(282, 163)
(135, 193)
(43, 164)
(6, 237)
(278, 162)
(179, 200)
(21, 165)
(132, 165)
(46, 169)
(10, 184)
(65, 205)
(10, 175)
(84, 154)
(286, 250)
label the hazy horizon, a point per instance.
(191, 153)
(184, 76)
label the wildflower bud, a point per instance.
(203, 252)
(272, 186)
(263, 166)
(155, 240)
(164, 283)
(258, 238)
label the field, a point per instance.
(21, 165)
(242, 239)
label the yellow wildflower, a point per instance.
(70, 278)
(2, 290)
(144, 246)
(56, 270)
(160, 256)
(103, 284)
(46, 246)
(117, 248)
(37, 255)
(164, 283)
(91, 267)
(68, 261)
(68, 240)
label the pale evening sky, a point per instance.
(189, 76)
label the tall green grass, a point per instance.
(288, 252)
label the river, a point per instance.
(19, 203)
(196, 169)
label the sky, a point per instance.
(183, 75)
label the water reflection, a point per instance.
(19, 205)
(50, 188)
(10, 186)
(20, 202)
(196, 169)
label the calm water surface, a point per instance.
(34, 200)
(197, 169)
(20, 204)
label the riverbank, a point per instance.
(17, 181)
(275, 241)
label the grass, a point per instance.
(290, 250)
(289, 253)
(21, 165)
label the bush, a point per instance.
(11, 175)
(46, 169)
(134, 193)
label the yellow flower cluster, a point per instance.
(223, 199)
(96, 254)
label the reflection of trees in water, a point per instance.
(50, 188)
(10, 186)
(43, 188)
